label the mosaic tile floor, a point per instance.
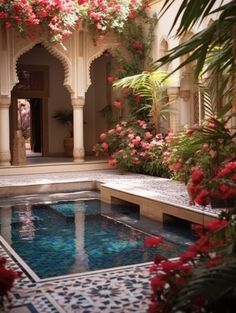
(122, 290)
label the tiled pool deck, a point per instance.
(120, 290)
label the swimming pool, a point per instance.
(62, 238)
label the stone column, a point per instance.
(184, 107)
(5, 155)
(78, 126)
(173, 94)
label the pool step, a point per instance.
(152, 207)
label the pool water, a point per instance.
(72, 237)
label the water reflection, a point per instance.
(27, 228)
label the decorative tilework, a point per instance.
(122, 290)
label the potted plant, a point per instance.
(65, 118)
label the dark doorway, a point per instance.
(36, 125)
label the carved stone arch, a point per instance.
(66, 63)
(185, 37)
(53, 50)
(16, 57)
(164, 47)
(97, 54)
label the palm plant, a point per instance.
(151, 87)
(213, 49)
(65, 118)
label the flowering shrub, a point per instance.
(58, 18)
(203, 278)
(30, 17)
(129, 145)
(205, 159)
(104, 15)
(7, 278)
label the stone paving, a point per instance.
(163, 189)
(121, 290)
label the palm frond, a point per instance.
(151, 87)
(214, 283)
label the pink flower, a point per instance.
(212, 153)
(117, 104)
(112, 162)
(176, 166)
(111, 131)
(104, 145)
(111, 79)
(148, 135)
(103, 136)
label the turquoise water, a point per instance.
(79, 236)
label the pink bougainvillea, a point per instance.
(129, 145)
(56, 20)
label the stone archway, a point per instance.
(46, 84)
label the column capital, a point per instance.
(78, 102)
(5, 102)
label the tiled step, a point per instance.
(53, 168)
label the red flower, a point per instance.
(137, 44)
(198, 229)
(7, 278)
(214, 261)
(157, 283)
(168, 265)
(216, 224)
(153, 307)
(203, 198)
(187, 256)
(197, 176)
(153, 241)
(158, 258)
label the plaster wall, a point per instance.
(96, 99)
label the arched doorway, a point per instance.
(35, 99)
